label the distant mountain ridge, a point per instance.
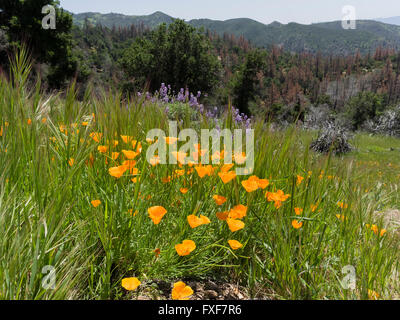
(390, 20)
(328, 37)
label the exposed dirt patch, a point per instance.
(205, 290)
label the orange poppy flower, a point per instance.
(227, 167)
(195, 222)
(181, 291)
(115, 155)
(130, 155)
(263, 183)
(219, 200)
(185, 248)
(71, 162)
(155, 161)
(180, 173)
(156, 213)
(96, 136)
(184, 190)
(1, 131)
(375, 229)
(296, 224)
(299, 180)
(235, 225)
(235, 245)
(222, 215)
(314, 207)
(130, 284)
(227, 177)
(203, 171)
(342, 205)
(373, 295)
(238, 212)
(29, 121)
(130, 165)
(205, 219)
(277, 197)
(96, 203)
(240, 158)
(126, 139)
(85, 124)
(157, 252)
(250, 185)
(298, 211)
(180, 156)
(166, 180)
(102, 149)
(170, 140)
(117, 172)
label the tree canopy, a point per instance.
(22, 21)
(178, 55)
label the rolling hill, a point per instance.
(327, 37)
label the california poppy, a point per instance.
(227, 177)
(202, 171)
(298, 211)
(296, 224)
(180, 156)
(342, 205)
(96, 203)
(227, 167)
(157, 213)
(115, 155)
(130, 284)
(235, 245)
(117, 172)
(155, 161)
(299, 180)
(130, 155)
(183, 190)
(102, 149)
(181, 291)
(126, 139)
(235, 225)
(219, 200)
(240, 158)
(96, 136)
(170, 140)
(185, 248)
(373, 295)
(238, 212)
(222, 215)
(250, 185)
(195, 221)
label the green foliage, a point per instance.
(22, 21)
(365, 106)
(244, 83)
(181, 111)
(178, 55)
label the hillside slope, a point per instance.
(327, 37)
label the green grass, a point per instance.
(46, 216)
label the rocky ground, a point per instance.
(204, 290)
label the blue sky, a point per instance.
(266, 11)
